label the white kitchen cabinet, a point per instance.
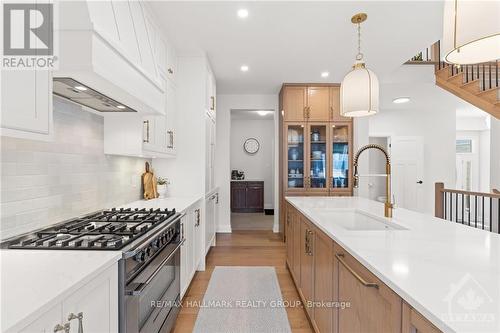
(210, 93)
(26, 104)
(171, 110)
(96, 301)
(211, 207)
(171, 61)
(46, 321)
(128, 41)
(144, 41)
(209, 152)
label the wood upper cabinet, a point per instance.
(318, 103)
(373, 306)
(323, 282)
(414, 322)
(335, 105)
(294, 101)
(307, 262)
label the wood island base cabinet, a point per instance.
(340, 295)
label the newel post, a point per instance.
(439, 200)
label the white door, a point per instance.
(467, 163)
(407, 160)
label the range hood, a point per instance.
(96, 59)
(81, 94)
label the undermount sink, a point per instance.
(354, 220)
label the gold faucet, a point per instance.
(388, 205)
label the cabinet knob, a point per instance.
(170, 71)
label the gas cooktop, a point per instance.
(105, 230)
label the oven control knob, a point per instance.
(139, 257)
(157, 243)
(149, 251)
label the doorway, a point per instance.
(252, 164)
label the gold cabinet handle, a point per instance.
(146, 140)
(304, 113)
(308, 112)
(310, 252)
(212, 102)
(340, 258)
(331, 112)
(306, 250)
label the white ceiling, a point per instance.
(296, 41)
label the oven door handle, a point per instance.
(141, 286)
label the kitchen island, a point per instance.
(411, 271)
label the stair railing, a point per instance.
(474, 209)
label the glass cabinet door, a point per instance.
(340, 150)
(295, 157)
(317, 168)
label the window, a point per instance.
(464, 146)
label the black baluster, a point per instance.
(484, 80)
(472, 72)
(478, 71)
(456, 207)
(445, 211)
(489, 72)
(427, 54)
(482, 214)
(466, 73)
(475, 211)
(498, 210)
(491, 214)
(468, 201)
(463, 219)
(439, 54)
(496, 70)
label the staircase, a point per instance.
(477, 84)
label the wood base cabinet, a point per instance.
(247, 196)
(339, 293)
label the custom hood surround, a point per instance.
(106, 58)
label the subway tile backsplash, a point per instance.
(47, 182)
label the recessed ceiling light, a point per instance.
(81, 88)
(244, 68)
(401, 100)
(325, 74)
(262, 112)
(120, 107)
(242, 13)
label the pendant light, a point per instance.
(359, 89)
(471, 31)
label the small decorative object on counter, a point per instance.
(149, 184)
(162, 187)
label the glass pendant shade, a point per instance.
(359, 93)
(471, 31)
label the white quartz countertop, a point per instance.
(179, 203)
(448, 272)
(34, 280)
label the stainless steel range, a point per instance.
(149, 271)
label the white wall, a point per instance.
(222, 156)
(48, 182)
(495, 154)
(437, 127)
(259, 166)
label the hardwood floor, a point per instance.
(244, 248)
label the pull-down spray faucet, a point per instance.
(388, 205)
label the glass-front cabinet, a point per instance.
(317, 153)
(340, 157)
(295, 157)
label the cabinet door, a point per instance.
(46, 322)
(97, 301)
(297, 245)
(335, 105)
(198, 236)
(414, 322)
(171, 62)
(317, 156)
(238, 196)
(323, 281)
(340, 161)
(255, 197)
(210, 221)
(294, 154)
(143, 39)
(306, 263)
(170, 112)
(289, 235)
(373, 306)
(127, 37)
(26, 101)
(318, 103)
(294, 103)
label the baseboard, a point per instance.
(225, 229)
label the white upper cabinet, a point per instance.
(103, 19)
(26, 104)
(171, 62)
(210, 93)
(127, 37)
(143, 38)
(171, 124)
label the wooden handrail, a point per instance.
(495, 194)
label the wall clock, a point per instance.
(251, 145)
